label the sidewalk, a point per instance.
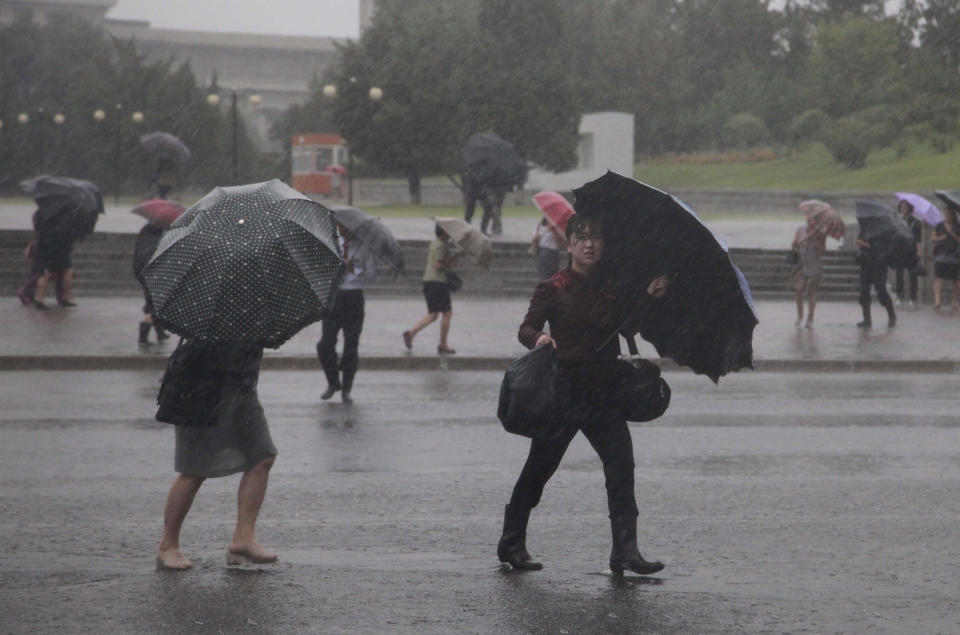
(101, 333)
(762, 234)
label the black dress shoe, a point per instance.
(330, 392)
(345, 397)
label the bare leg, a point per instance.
(937, 288)
(41, 286)
(250, 494)
(179, 500)
(424, 322)
(445, 327)
(66, 280)
(799, 308)
(813, 307)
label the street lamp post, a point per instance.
(375, 94)
(253, 100)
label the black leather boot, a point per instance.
(891, 316)
(625, 554)
(161, 334)
(512, 547)
(333, 383)
(867, 322)
(144, 333)
(347, 386)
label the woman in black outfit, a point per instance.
(583, 314)
(209, 393)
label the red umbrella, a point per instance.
(159, 211)
(556, 208)
(336, 167)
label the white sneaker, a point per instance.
(898, 302)
(912, 306)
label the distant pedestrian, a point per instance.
(582, 315)
(147, 241)
(916, 229)
(347, 316)
(55, 237)
(873, 273)
(164, 177)
(546, 243)
(441, 257)
(946, 259)
(810, 245)
(209, 393)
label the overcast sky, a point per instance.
(338, 18)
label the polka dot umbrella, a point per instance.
(252, 263)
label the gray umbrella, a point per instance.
(370, 231)
(166, 146)
(252, 263)
(78, 203)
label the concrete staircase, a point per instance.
(103, 268)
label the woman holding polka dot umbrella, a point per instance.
(243, 269)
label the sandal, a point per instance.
(445, 350)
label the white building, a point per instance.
(606, 143)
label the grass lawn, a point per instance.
(920, 170)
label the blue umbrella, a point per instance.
(707, 318)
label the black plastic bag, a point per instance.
(529, 395)
(454, 281)
(189, 391)
(640, 390)
(793, 257)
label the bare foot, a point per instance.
(172, 559)
(809, 324)
(252, 553)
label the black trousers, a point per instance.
(346, 315)
(912, 272)
(607, 432)
(873, 275)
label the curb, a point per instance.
(422, 363)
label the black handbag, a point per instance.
(793, 257)
(454, 281)
(642, 393)
(529, 402)
(189, 391)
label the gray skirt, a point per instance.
(238, 441)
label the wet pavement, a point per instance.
(781, 502)
(104, 330)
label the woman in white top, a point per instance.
(546, 243)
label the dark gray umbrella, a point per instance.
(166, 146)
(372, 233)
(492, 160)
(952, 199)
(76, 204)
(891, 241)
(252, 263)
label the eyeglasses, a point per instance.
(591, 237)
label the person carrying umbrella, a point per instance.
(159, 214)
(946, 259)
(548, 236)
(582, 313)
(347, 316)
(879, 239)
(441, 257)
(245, 268)
(906, 209)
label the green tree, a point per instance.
(414, 53)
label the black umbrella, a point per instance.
(952, 199)
(707, 318)
(891, 241)
(252, 263)
(372, 233)
(166, 146)
(74, 204)
(493, 160)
